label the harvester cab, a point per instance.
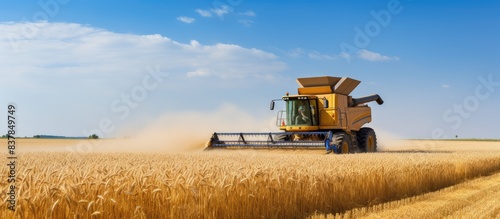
(321, 115)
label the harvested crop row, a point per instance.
(478, 198)
(231, 184)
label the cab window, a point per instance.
(302, 112)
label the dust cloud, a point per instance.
(189, 131)
(186, 131)
(387, 141)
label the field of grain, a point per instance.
(64, 183)
(477, 198)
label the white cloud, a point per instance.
(185, 19)
(445, 86)
(345, 55)
(203, 13)
(246, 22)
(248, 13)
(296, 53)
(51, 49)
(362, 54)
(221, 11)
(317, 55)
(198, 73)
(73, 72)
(373, 56)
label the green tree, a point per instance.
(93, 136)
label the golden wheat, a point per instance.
(478, 198)
(231, 184)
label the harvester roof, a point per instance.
(327, 84)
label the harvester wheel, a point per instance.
(367, 140)
(342, 140)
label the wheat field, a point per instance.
(233, 184)
(477, 198)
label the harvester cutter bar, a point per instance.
(272, 140)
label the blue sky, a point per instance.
(69, 65)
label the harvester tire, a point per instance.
(343, 142)
(367, 140)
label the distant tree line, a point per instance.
(93, 136)
(5, 136)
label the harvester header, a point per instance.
(321, 115)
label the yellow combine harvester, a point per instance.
(322, 114)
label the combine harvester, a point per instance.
(322, 115)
